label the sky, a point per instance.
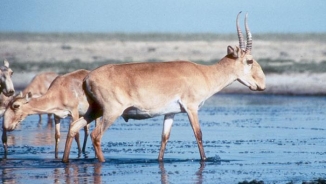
(163, 16)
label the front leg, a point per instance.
(73, 130)
(86, 130)
(57, 135)
(4, 141)
(167, 125)
(74, 117)
(193, 118)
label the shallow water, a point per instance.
(276, 139)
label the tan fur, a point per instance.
(40, 84)
(38, 87)
(64, 97)
(150, 88)
(145, 90)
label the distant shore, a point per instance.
(294, 64)
(276, 84)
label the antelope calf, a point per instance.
(64, 97)
(146, 90)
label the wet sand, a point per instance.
(267, 138)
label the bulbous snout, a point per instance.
(261, 87)
(7, 87)
(9, 127)
(9, 124)
(9, 92)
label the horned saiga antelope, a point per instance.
(145, 90)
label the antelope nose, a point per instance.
(261, 88)
(10, 92)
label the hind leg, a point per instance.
(167, 125)
(107, 120)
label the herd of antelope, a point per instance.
(132, 91)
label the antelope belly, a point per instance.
(137, 113)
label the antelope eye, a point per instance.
(250, 61)
(15, 106)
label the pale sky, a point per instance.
(174, 16)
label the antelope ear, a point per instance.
(232, 52)
(6, 63)
(28, 96)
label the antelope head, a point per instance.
(6, 85)
(247, 69)
(15, 112)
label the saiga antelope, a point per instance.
(6, 85)
(38, 87)
(145, 90)
(64, 97)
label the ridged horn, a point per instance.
(240, 36)
(249, 37)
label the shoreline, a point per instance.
(276, 84)
(293, 64)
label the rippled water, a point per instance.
(276, 139)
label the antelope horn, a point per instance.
(240, 36)
(249, 37)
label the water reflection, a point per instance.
(7, 176)
(79, 173)
(164, 175)
(198, 173)
(40, 136)
(53, 171)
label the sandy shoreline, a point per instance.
(287, 84)
(131, 51)
(276, 84)
(301, 51)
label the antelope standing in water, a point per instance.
(145, 90)
(64, 97)
(6, 88)
(38, 87)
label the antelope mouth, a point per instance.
(12, 127)
(9, 93)
(257, 88)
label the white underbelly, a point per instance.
(62, 113)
